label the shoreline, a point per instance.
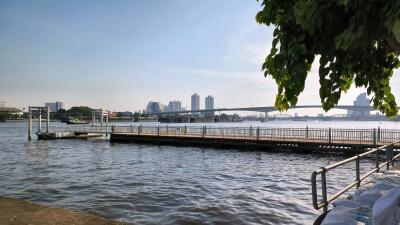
(21, 212)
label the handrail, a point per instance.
(372, 137)
(326, 200)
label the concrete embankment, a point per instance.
(20, 212)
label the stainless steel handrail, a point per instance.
(326, 200)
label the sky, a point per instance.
(122, 54)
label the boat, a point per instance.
(72, 120)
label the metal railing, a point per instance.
(326, 200)
(324, 135)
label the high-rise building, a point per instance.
(195, 102)
(209, 104)
(55, 106)
(174, 106)
(154, 107)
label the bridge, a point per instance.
(364, 110)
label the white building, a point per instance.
(55, 106)
(195, 101)
(209, 104)
(154, 107)
(174, 106)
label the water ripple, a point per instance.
(146, 184)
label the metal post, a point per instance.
(306, 132)
(374, 136)
(324, 193)
(131, 128)
(205, 130)
(101, 118)
(258, 133)
(39, 121)
(158, 131)
(167, 129)
(106, 121)
(388, 158)
(48, 120)
(30, 124)
(377, 161)
(93, 117)
(330, 135)
(392, 151)
(379, 133)
(358, 171)
(185, 130)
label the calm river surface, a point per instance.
(149, 184)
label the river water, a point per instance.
(150, 184)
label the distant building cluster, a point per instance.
(176, 106)
(361, 100)
(55, 106)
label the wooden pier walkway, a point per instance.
(305, 139)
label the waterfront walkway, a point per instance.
(376, 202)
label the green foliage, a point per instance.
(357, 41)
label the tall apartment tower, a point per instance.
(209, 105)
(195, 102)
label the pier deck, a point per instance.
(305, 139)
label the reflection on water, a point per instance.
(149, 184)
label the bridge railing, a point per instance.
(325, 200)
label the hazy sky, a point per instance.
(122, 54)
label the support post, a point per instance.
(377, 161)
(158, 131)
(39, 121)
(306, 132)
(379, 133)
(93, 117)
(106, 119)
(30, 124)
(374, 136)
(258, 133)
(48, 120)
(330, 135)
(358, 171)
(324, 192)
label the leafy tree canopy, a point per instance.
(357, 41)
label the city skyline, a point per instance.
(107, 58)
